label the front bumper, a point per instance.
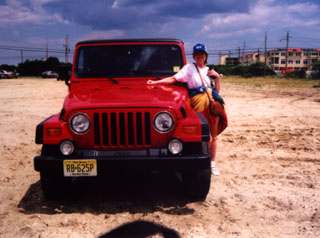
(127, 160)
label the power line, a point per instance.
(235, 52)
(33, 49)
(54, 52)
(25, 56)
(232, 53)
(307, 38)
(304, 42)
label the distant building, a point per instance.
(298, 58)
(226, 60)
(247, 59)
(252, 58)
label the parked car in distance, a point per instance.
(49, 74)
(7, 74)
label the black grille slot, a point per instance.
(139, 128)
(147, 127)
(130, 129)
(96, 129)
(105, 130)
(114, 138)
(122, 129)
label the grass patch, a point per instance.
(270, 82)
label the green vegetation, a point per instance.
(298, 74)
(279, 82)
(6, 67)
(239, 74)
(252, 75)
(316, 68)
(36, 67)
(247, 71)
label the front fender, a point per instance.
(42, 132)
(193, 119)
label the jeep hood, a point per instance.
(106, 95)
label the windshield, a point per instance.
(128, 60)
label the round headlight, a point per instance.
(66, 147)
(80, 123)
(175, 146)
(163, 122)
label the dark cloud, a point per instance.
(131, 14)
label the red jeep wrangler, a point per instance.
(112, 120)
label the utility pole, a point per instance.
(21, 56)
(47, 56)
(287, 51)
(239, 55)
(244, 47)
(265, 54)
(67, 50)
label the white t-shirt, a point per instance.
(189, 74)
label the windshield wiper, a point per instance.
(112, 79)
(99, 76)
(141, 72)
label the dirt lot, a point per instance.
(269, 158)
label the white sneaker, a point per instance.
(214, 170)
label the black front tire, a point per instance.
(54, 187)
(197, 183)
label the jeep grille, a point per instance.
(122, 129)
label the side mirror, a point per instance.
(67, 79)
(64, 74)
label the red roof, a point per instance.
(318, 49)
(249, 54)
(294, 49)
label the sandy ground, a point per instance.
(269, 158)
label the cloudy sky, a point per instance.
(220, 24)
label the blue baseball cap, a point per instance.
(200, 48)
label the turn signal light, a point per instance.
(53, 132)
(190, 129)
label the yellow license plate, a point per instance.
(79, 168)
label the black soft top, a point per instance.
(129, 40)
